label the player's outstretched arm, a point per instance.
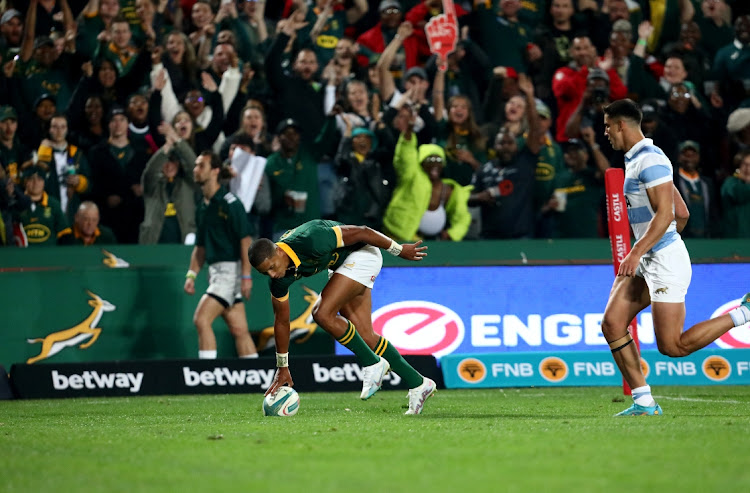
(281, 331)
(362, 234)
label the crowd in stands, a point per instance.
(105, 104)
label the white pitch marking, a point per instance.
(692, 399)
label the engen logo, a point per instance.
(738, 337)
(553, 369)
(716, 368)
(471, 370)
(419, 327)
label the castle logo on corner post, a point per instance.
(87, 331)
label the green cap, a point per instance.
(8, 112)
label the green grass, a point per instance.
(467, 440)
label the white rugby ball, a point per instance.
(284, 403)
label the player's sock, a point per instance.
(740, 315)
(408, 374)
(249, 356)
(207, 354)
(352, 341)
(642, 396)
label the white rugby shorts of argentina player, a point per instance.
(666, 267)
(361, 265)
(225, 283)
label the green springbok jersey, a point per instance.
(314, 246)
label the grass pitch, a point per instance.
(467, 440)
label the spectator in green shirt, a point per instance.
(44, 218)
(735, 199)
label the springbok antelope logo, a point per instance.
(55, 342)
(301, 328)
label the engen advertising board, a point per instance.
(481, 310)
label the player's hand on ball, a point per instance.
(282, 377)
(413, 251)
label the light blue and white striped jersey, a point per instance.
(646, 166)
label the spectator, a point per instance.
(738, 127)
(554, 39)
(687, 49)
(460, 136)
(96, 16)
(12, 203)
(714, 21)
(384, 33)
(299, 95)
(254, 21)
(425, 204)
(504, 186)
(116, 169)
(253, 125)
(245, 163)
(92, 129)
(151, 21)
(169, 192)
(143, 119)
(11, 31)
(86, 229)
(34, 126)
(326, 24)
(731, 66)
(180, 61)
(67, 167)
(504, 38)
(365, 176)
(735, 199)
(684, 114)
(570, 83)
(601, 23)
(14, 155)
(697, 191)
(343, 67)
(117, 46)
(579, 196)
(653, 128)
(503, 86)
(203, 30)
(43, 219)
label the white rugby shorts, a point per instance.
(667, 273)
(362, 265)
(225, 282)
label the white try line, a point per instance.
(695, 399)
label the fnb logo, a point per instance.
(716, 368)
(471, 370)
(419, 327)
(738, 337)
(553, 369)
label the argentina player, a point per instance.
(657, 270)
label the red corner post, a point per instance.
(619, 234)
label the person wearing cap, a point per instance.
(116, 169)
(365, 176)
(570, 84)
(14, 154)
(387, 31)
(34, 126)
(579, 189)
(44, 218)
(735, 199)
(657, 270)
(86, 230)
(697, 191)
(300, 95)
(293, 177)
(504, 186)
(67, 180)
(11, 33)
(40, 69)
(654, 129)
(168, 192)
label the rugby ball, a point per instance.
(284, 403)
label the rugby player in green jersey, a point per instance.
(351, 255)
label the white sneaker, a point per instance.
(372, 379)
(418, 395)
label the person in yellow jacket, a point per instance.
(424, 204)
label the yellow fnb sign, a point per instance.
(87, 330)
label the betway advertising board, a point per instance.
(472, 310)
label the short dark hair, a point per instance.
(626, 109)
(215, 161)
(243, 139)
(260, 251)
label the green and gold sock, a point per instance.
(352, 341)
(410, 376)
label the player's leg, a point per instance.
(359, 311)
(628, 297)
(236, 320)
(208, 309)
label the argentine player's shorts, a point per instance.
(225, 283)
(667, 273)
(362, 265)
